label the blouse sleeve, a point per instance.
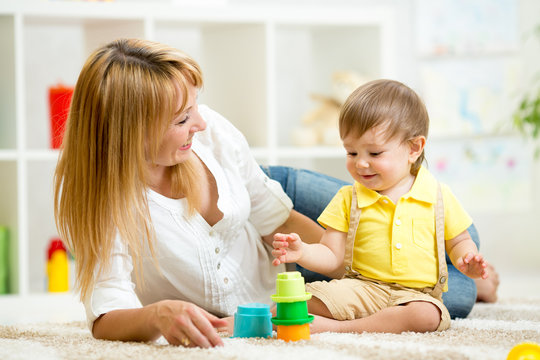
(114, 289)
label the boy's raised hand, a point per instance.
(287, 248)
(474, 266)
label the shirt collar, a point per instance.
(424, 189)
(364, 196)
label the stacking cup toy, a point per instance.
(290, 287)
(253, 320)
(293, 332)
(292, 318)
(294, 313)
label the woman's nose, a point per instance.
(199, 124)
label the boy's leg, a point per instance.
(358, 305)
(417, 316)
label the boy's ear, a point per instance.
(416, 146)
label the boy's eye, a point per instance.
(351, 153)
(375, 153)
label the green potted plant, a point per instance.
(527, 115)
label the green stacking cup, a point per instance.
(292, 310)
(292, 313)
(290, 287)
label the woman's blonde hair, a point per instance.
(387, 102)
(124, 100)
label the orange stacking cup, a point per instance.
(293, 332)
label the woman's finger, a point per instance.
(204, 324)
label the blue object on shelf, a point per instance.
(253, 320)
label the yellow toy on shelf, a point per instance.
(57, 267)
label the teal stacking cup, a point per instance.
(253, 320)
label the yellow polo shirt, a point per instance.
(396, 243)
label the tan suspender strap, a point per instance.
(441, 249)
(354, 218)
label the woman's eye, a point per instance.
(183, 121)
(351, 153)
(375, 153)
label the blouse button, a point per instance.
(385, 201)
(226, 280)
(212, 233)
(398, 222)
(218, 266)
(217, 250)
(398, 246)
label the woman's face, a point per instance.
(175, 147)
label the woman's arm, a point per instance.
(309, 230)
(180, 322)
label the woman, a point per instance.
(166, 211)
(136, 189)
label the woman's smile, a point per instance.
(186, 146)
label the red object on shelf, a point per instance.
(59, 102)
(55, 244)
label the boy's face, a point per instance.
(379, 163)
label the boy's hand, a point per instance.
(287, 248)
(474, 266)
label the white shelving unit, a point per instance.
(260, 64)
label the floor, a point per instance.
(66, 307)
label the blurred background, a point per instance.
(279, 70)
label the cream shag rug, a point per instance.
(489, 332)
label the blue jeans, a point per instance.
(310, 192)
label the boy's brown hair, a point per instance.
(386, 102)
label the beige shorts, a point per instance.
(349, 298)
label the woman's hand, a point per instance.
(229, 329)
(186, 324)
(287, 248)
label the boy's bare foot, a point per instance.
(487, 289)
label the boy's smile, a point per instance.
(379, 163)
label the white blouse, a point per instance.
(216, 267)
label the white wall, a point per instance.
(511, 240)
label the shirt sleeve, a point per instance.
(114, 289)
(270, 205)
(456, 218)
(337, 212)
